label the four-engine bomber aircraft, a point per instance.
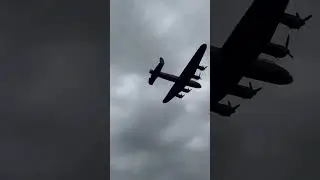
(185, 79)
(239, 56)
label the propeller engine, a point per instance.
(255, 91)
(302, 21)
(234, 108)
(202, 68)
(224, 109)
(278, 51)
(287, 47)
(196, 77)
(186, 90)
(245, 92)
(180, 96)
(294, 21)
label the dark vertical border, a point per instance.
(108, 90)
(212, 174)
(107, 86)
(103, 74)
(104, 69)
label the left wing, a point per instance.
(242, 49)
(186, 74)
(174, 91)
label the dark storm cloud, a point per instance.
(276, 134)
(51, 94)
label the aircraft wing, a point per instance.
(243, 47)
(175, 90)
(186, 74)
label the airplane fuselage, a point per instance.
(243, 47)
(174, 78)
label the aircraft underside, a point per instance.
(239, 56)
(267, 71)
(225, 81)
(174, 78)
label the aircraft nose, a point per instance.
(289, 79)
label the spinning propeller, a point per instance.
(233, 108)
(303, 20)
(200, 76)
(287, 46)
(187, 90)
(255, 90)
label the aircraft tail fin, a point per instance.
(155, 72)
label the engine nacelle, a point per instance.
(224, 110)
(196, 77)
(180, 96)
(276, 50)
(267, 71)
(244, 91)
(186, 90)
(294, 21)
(202, 68)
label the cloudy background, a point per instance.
(54, 73)
(150, 140)
(276, 134)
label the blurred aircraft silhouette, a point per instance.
(239, 56)
(185, 78)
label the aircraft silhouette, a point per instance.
(185, 78)
(239, 56)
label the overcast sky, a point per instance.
(151, 140)
(276, 134)
(53, 74)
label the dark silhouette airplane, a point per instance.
(239, 56)
(185, 78)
